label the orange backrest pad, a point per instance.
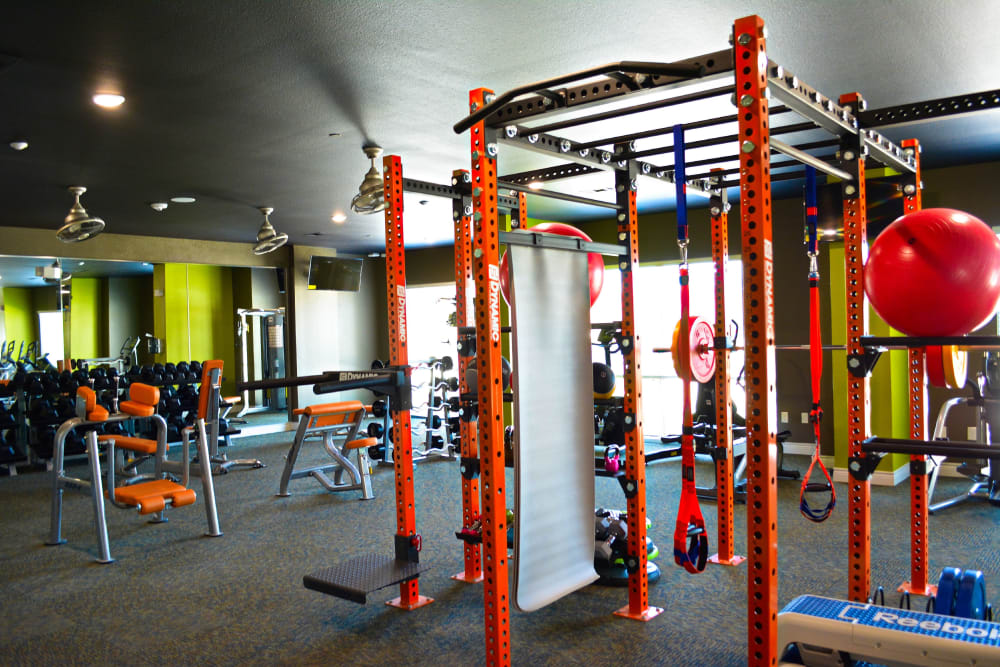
(331, 414)
(206, 378)
(144, 393)
(89, 396)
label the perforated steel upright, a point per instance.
(919, 582)
(858, 385)
(750, 63)
(635, 460)
(395, 281)
(486, 268)
(723, 411)
(469, 445)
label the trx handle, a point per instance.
(817, 515)
(690, 536)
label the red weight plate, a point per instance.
(702, 350)
(702, 353)
(935, 365)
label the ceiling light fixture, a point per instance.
(78, 225)
(371, 194)
(182, 199)
(18, 145)
(338, 217)
(159, 206)
(109, 100)
(268, 239)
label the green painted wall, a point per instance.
(20, 322)
(888, 392)
(194, 315)
(88, 318)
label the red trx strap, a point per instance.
(816, 363)
(690, 538)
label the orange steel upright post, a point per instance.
(718, 207)
(858, 388)
(486, 256)
(635, 459)
(919, 582)
(395, 281)
(469, 447)
(750, 58)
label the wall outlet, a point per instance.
(805, 417)
(972, 433)
(784, 416)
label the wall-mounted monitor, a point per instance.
(335, 273)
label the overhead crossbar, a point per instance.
(810, 160)
(684, 70)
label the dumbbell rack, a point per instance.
(174, 407)
(439, 432)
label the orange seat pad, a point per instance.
(137, 409)
(231, 400)
(152, 496)
(142, 445)
(98, 414)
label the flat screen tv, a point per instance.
(335, 273)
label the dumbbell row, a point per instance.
(167, 374)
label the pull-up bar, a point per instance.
(626, 66)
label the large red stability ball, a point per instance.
(934, 272)
(595, 263)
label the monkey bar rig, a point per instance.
(811, 126)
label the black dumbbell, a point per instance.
(376, 452)
(196, 369)
(375, 430)
(435, 422)
(379, 409)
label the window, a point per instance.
(657, 311)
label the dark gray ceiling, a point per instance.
(234, 102)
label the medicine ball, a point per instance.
(934, 272)
(595, 263)
(472, 375)
(604, 380)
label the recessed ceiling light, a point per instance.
(109, 100)
(338, 217)
(535, 185)
(159, 206)
(18, 145)
(183, 199)
(81, 263)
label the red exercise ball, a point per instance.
(934, 272)
(595, 263)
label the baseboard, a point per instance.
(800, 448)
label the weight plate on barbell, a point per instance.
(701, 354)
